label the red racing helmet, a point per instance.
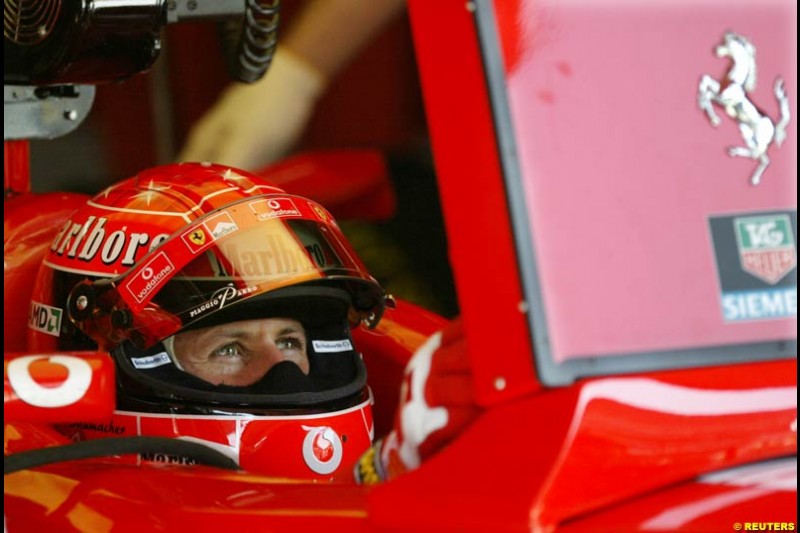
(183, 247)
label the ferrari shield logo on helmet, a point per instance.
(215, 227)
(197, 237)
(766, 246)
(731, 94)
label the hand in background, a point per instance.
(253, 125)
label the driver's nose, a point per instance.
(265, 355)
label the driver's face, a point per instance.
(240, 353)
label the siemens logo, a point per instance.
(758, 305)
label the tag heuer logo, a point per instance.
(766, 246)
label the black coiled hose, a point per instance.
(256, 39)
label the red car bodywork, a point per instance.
(698, 445)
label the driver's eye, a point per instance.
(290, 343)
(229, 350)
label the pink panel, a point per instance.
(622, 169)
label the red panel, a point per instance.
(16, 166)
(570, 452)
(473, 199)
(767, 501)
(23, 436)
(30, 222)
(96, 496)
(532, 464)
(631, 435)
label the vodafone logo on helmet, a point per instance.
(150, 278)
(275, 208)
(322, 449)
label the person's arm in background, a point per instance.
(251, 126)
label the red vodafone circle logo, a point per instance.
(322, 449)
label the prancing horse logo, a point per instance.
(757, 129)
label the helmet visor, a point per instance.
(222, 259)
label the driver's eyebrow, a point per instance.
(290, 329)
(238, 334)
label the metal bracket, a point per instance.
(185, 10)
(44, 112)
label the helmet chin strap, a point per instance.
(169, 347)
